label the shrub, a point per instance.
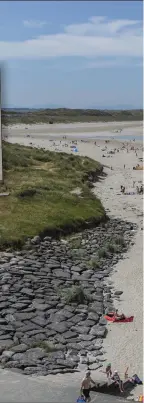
(113, 248)
(102, 253)
(49, 348)
(75, 294)
(119, 240)
(95, 264)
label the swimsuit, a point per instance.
(86, 393)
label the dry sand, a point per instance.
(76, 130)
(124, 342)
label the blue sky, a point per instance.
(76, 54)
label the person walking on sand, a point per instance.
(86, 386)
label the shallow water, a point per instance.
(121, 137)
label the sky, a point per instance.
(76, 54)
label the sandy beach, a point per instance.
(124, 342)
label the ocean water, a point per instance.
(120, 137)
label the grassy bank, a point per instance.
(40, 185)
(65, 115)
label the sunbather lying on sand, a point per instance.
(119, 316)
(116, 315)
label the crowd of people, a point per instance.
(112, 377)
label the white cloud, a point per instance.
(34, 23)
(98, 37)
(101, 26)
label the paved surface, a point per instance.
(17, 388)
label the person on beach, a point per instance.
(116, 378)
(116, 315)
(119, 316)
(128, 378)
(108, 372)
(86, 386)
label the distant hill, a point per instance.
(66, 115)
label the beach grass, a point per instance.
(40, 183)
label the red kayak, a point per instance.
(113, 319)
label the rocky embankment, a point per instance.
(53, 296)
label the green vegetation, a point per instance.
(112, 246)
(119, 240)
(48, 347)
(75, 243)
(94, 263)
(102, 253)
(40, 200)
(74, 294)
(65, 115)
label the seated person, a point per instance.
(119, 316)
(116, 378)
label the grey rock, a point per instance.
(69, 335)
(98, 331)
(102, 321)
(66, 314)
(118, 292)
(87, 337)
(81, 329)
(59, 327)
(76, 319)
(40, 307)
(7, 354)
(31, 355)
(66, 363)
(4, 337)
(20, 305)
(60, 273)
(96, 307)
(4, 305)
(38, 320)
(25, 316)
(4, 344)
(20, 348)
(36, 240)
(27, 291)
(94, 317)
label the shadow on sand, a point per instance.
(113, 389)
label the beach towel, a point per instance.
(112, 319)
(80, 399)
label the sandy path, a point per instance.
(124, 343)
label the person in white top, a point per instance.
(116, 378)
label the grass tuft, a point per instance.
(48, 347)
(74, 294)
